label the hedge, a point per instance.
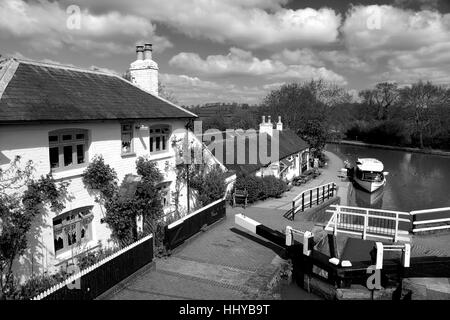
(260, 188)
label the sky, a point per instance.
(238, 50)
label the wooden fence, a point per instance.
(176, 233)
(97, 279)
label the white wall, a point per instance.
(31, 143)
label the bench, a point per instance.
(240, 197)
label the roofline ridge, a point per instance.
(156, 96)
(62, 66)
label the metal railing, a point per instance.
(431, 219)
(367, 222)
(313, 196)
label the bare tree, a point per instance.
(422, 96)
(330, 94)
(382, 97)
(165, 93)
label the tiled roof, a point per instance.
(289, 144)
(32, 91)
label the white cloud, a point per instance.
(399, 44)
(240, 62)
(193, 90)
(306, 73)
(299, 56)
(237, 61)
(43, 27)
(249, 23)
(375, 27)
(321, 58)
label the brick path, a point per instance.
(224, 262)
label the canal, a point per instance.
(416, 181)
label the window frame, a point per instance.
(152, 138)
(131, 152)
(61, 228)
(164, 189)
(74, 143)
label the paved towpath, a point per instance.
(328, 174)
(224, 262)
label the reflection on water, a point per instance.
(364, 199)
(415, 181)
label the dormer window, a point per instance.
(67, 148)
(159, 138)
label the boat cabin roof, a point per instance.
(369, 164)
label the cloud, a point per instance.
(399, 44)
(375, 27)
(299, 56)
(241, 62)
(43, 26)
(249, 24)
(322, 58)
(192, 90)
(417, 4)
(236, 62)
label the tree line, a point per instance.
(417, 115)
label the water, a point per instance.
(415, 181)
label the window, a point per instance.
(159, 137)
(67, 148)
(164, 189)
(72, 228)
(127, 138)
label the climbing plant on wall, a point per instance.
(22, 198)
(135, 197)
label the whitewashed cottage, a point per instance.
(61, 117)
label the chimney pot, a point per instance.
(270, 120)
(139, 52)
(148, 48)
(263, 119)
(279, 119)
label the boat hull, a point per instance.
(370, 186)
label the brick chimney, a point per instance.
(144, 71)
(266, 127)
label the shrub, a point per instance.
(209, 185)
(253, 185)
(90, 258)
(148, 170)
(273, 187)
(261, 188)
(100, 176)
(39, 284)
